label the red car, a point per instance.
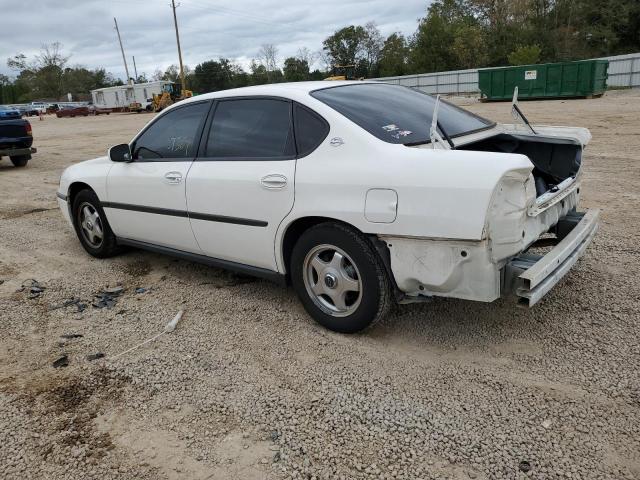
(69, 111)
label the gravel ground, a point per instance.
(249, 387)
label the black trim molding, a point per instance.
(61, 196)
(183, 213)
(210, 261)
(225, 219)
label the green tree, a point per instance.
(171, 74)
(431, 46)
(525, 55)
(345, 46)
(295, 70)
(372, 45)
(469, 47)
(258, 74)
(212, 75)
(394, 56)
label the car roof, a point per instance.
(278, 89)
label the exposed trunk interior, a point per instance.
(554, 159)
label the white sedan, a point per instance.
(360, 194)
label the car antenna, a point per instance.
(517, 113)
(434, 135)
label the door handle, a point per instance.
(173, 177)
(274, 181)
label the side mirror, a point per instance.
(120, 153)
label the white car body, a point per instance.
(455, 223)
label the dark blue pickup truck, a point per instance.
(16, 137)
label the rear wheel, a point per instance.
(92, 227)
(20, 160)
(340, 278)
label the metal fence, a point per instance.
(624, 71)
(455, 82)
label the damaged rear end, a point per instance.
(539, 209)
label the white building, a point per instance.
(124, 95)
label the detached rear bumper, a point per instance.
(531, 277)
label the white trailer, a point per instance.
(123, 96)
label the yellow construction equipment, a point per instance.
(171, 93)
(343, 72)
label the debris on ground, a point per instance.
(70, 336)
(80, 305)
(141, 290)
(63, 361)
(107, 297)
(33, 286)
(524, 466)
(95, 356)
(171, 326)
(115, 291)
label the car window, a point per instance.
(397, 114)
(173, 135)
(311, 130)
(251, 129)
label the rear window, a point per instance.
(397, 114)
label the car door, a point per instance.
(241, 185)
(146, 197)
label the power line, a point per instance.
(237, 13)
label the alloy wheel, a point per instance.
(332, 280)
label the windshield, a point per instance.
(397, 114)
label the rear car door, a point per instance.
(146, 197)
(241, 185)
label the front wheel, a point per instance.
(20, 160)
(340, 278)
(92, 227)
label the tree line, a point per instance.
(453, 34)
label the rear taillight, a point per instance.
(28, 128)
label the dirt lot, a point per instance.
(249, 387)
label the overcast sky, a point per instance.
(208, 29)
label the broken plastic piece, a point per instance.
(63, 361)
(115, 291)
(171, 326)
(35, 289)
(104, 300)
(95, 356)
(67, 303)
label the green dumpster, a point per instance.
(587, 78)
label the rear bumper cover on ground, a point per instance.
(531, 276)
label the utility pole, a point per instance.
(135, 70)
(124, 59)
(175, 22)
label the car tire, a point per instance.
(20, 160)
(92, 227)
(340, 278)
